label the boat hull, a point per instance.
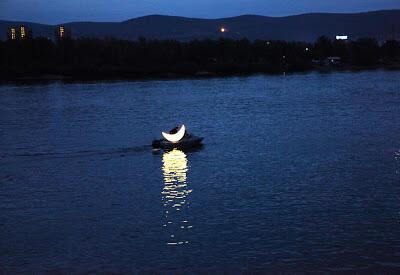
(189, 143)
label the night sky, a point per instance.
(56, 11)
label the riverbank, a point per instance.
(108, 59)
(172, 76)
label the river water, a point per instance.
(298, 173)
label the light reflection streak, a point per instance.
(175, 196)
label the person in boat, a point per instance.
(176, 129)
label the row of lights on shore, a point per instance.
(338, 37)
(222, 30)
(23, 33)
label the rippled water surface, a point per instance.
(298, 173)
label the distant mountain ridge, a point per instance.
(381, 25)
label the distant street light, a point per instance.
(223, 30)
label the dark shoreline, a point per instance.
(41, 59)
(49, 78)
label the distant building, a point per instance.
(24, 32)
(327, 62)
(62, 33)
(333, 60)
(19, 33)
(12, 33)
(342, 37)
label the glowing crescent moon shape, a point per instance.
(174, 138)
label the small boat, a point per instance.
(177, 138)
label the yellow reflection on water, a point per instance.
(175, 196)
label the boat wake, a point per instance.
(118, 152)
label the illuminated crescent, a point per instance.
(175, 137)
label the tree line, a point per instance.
(108, 58)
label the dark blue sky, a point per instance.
(56, 11)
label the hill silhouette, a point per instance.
(381, 25)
